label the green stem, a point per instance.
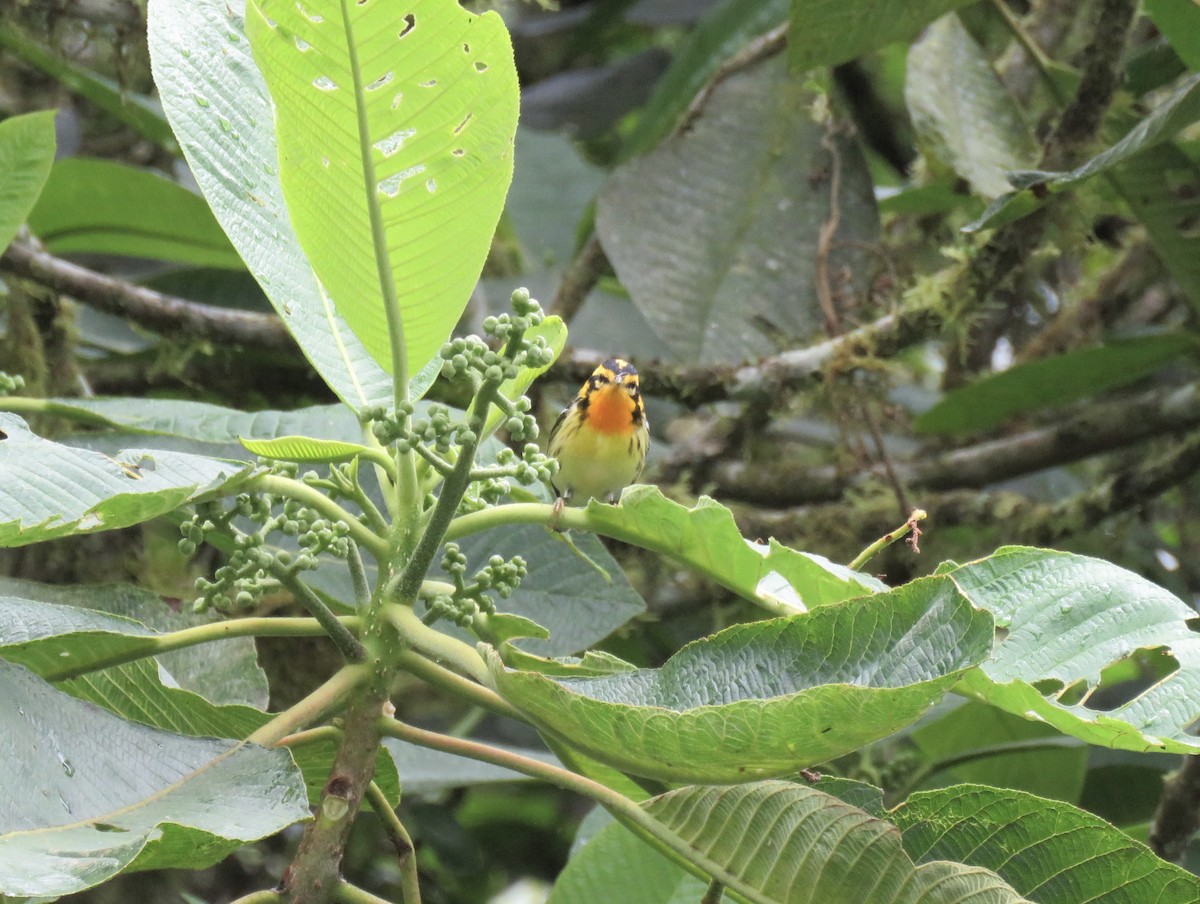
(410, 887)
(345, 893)
(151, 645)
(259, 897)
(888, 539)
(310, 736)
(713, 893)
(451, 682)
(345, 640)
(28, 405)
(302, 492)
(1040, 60)
(625, 810)
(358, 577)
(435, 645)
(320, 704)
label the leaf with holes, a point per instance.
(51, 490)
(395, 123)
(1074, 625)
(771, 697)
(217, 103)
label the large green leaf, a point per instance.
(706, 538)
(828, 32)
(89, 795)
(71, 646)
(224, 671)
(1052, 381)
(770, 843)
(395, 126)
(1049, 851)
(1178, 111)
(103, 207)
(718, 36)
(771, 697)
(51, 490)
(219, 107)
(741, 279)
(1069, 622)
(26, 153)
(963, 116)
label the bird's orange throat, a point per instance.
(610, 410)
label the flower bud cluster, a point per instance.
(252, 566)
(10, 383)
(471, 597)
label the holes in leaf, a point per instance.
(410, 22)
(302, 45)
(108, 827)
(315, 18)
(3, 436)
(1048, 686)
(1129, 677)
(458, 152)
(1193, 624)
(429, 84)
(325, 162)
(1074, 693)
(1001, 634)
(480, 66)
(431, 186)
(458, 129)
(324, 83)
(392, 143)
(1193, 727)
(466, 48)
(380, 82)
(391, 185)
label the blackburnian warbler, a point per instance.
(601, 438)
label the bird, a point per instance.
(600, 440)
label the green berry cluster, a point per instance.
(10, 383)
(471, 598)
(253, 567)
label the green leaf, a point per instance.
(37, 617)
(974, 742)
(305, 449)
(26, 153)
(395, 127)
(771, 697)
(102, 207)
(733, 285)
(1069, 621)
(963, 116)
(1050, 851)
(51, 490)
(1052, 381)
(1179, 21)
(112, 795)
(718, 36)
(770, 842)
(135, 110)
(59, 641)
(828, 32)
(219, 107)
(706, 538)
(1178, 111)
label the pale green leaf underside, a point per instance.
(26, 154)
(706, 538)
(218, 105)
(112, 793)
(395, 124)
(1068, 618)
(963, 116)
(771, 697)
(51, 490)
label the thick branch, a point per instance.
(1178, 816)
(164, 314)
(1095, 430)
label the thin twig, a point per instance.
(410, 887)
(581, 277)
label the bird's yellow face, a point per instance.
(601, 439)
